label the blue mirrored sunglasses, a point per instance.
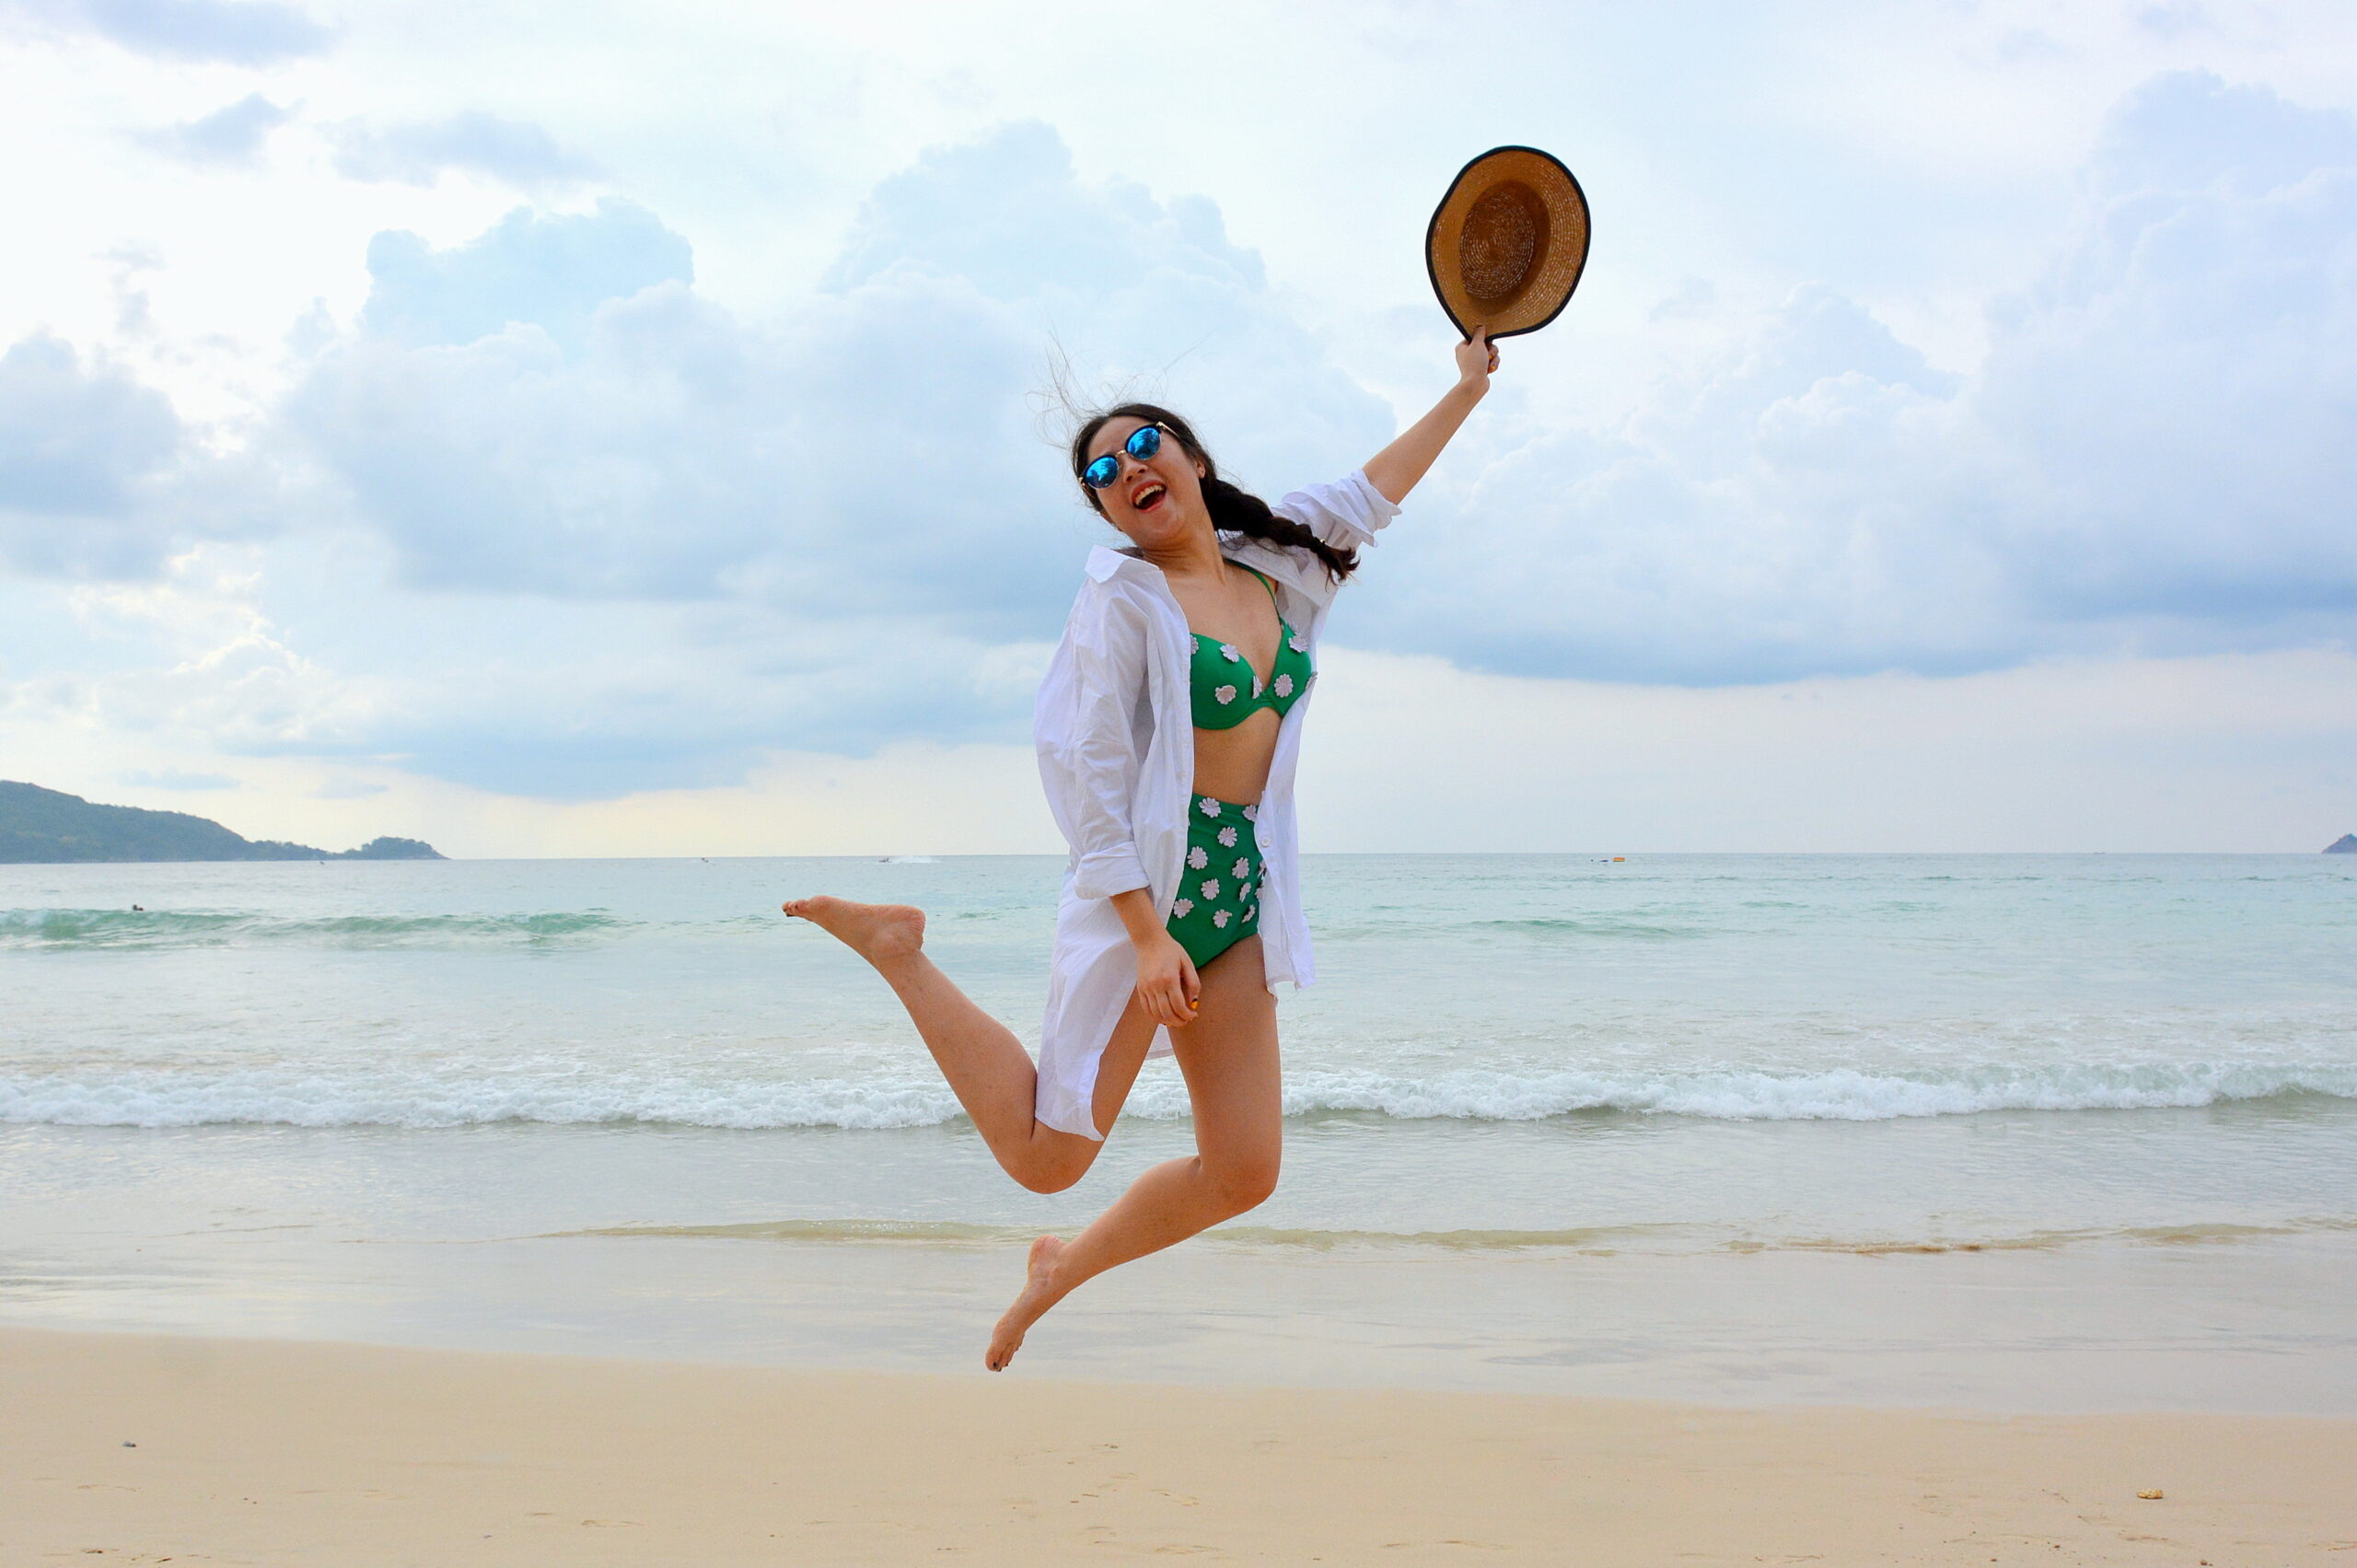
(1143, 443)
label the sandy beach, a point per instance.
(149, 1449)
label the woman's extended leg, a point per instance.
(1229, 1057)
(987, 1068)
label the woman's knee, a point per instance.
(1052, 1168)
(1244, 1183)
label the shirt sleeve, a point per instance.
(1345, 515)
(1084, 728)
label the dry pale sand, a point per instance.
(341, 1456)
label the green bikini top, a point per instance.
(1225, 689)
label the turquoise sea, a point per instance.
(2009, 1131)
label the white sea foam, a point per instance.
(456, 1096)
(1839, 1095)
(73, 928)
(265, 1097)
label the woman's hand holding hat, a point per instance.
(1477, 358)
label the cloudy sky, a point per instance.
(622, 430)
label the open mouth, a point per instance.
(1149, 495)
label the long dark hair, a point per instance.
(1231, 510)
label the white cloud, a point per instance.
(231, 137)
(84, 449)
(2156, 453)
(241, 32)
(828, 530)
(550, 271)
(226, 674)
(472, 141)
(536, 409)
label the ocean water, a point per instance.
(2026, 1132)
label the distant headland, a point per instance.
(46, 827)
(2345, 844)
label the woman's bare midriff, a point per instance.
(1233, 764)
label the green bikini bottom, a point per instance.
(1219, 890)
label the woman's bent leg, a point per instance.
(987, 1068)
(1229, 1057)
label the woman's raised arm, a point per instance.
(1395, 469)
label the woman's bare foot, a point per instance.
(877, 933)
(1038, 1294)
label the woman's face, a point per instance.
(1154, 502)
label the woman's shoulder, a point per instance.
(1116, 574)
(1352, 499)
(1107, 563)
(1114, 590)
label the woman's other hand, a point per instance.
(1168, 983)
(1476, 358)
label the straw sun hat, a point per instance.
(1507, 244)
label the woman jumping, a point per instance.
(1168, 726)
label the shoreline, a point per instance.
(261, 1451)
(550, 1239)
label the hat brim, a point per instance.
(1557, 213)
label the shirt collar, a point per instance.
(1105, 561)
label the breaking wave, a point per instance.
(454, 1092)
(70, 928)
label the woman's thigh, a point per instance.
(1056, 1159)
(1229, 1057)
(1116, 1069)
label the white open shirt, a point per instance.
(1116, 734)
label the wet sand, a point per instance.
(252, 1451)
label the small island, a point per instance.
(2345, 844)
(49, 826)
